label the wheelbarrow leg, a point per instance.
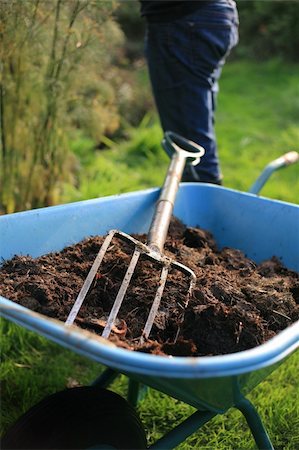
(255, 424)
(136, 392)
(106, 378)
(178, 434)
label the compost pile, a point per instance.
(236, 304)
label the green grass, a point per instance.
(257, 121)
(277, 407)
(137, 163)
(33, 367)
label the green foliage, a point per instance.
(135, 163)
(269, 28)
(69, 70)
(65, 72)
(56, 67)
(275, 400)
(33, 367)
(256, 122)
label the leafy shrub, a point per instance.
(269, 29)
(57, 71)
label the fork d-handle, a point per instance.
(173, 144)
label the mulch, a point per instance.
(236, 304)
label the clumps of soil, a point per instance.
(236, 304)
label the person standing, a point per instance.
(186, 45)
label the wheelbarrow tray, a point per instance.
(257, 226)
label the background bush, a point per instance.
(73, 72)
(57, 75)
(269, 29)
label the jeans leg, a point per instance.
(188, 109)
(185, 59)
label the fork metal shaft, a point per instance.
(159, 227)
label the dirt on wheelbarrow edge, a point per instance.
(236, 304)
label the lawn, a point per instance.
(257, 121)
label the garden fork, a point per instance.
(181, 150)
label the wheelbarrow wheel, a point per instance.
(78, 418)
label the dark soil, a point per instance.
(236, 304)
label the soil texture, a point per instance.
(235, 305)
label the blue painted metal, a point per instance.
(183, 430)
(255, 424)
(283, 161)
(106, 378)
(133, 392)
(260, 227)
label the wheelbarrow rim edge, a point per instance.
(102, 351)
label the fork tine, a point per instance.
(155, 305)
(139, 249)
(89, 279)
(121, 293)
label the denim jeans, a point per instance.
(185, 58)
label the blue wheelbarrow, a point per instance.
(258, 226)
